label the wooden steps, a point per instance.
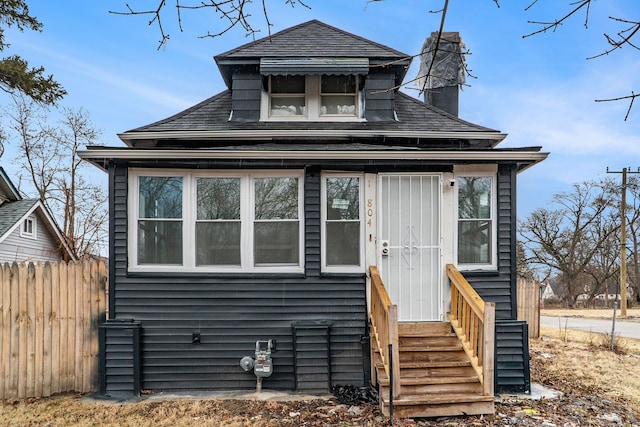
(436, 376)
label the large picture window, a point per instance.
(216, 222)
(476, 223)
(342, 223)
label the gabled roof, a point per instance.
(11, 214)
(15, 210)
(7, 189)
(210, 119)
(315, 39)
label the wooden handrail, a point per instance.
(384, 328)
(473, 321)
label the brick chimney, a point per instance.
(442, 86)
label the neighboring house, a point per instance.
(548, 293)
(28, 232)
(255, 215)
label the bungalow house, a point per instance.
(28, 232)
(320, 220)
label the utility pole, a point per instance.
(623, 241)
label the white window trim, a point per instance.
(33, 234)
(189, 210)
(313, 100)
(493, 265)
(323, 215)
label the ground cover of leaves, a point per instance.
(594, 383)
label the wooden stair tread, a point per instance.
(384, 380)
(434, 364)
(452, 347)
(436, 399)
(429, 364)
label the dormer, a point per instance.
(312, 72)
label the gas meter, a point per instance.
(261, 362)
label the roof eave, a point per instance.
(99, 156)
(267, 135)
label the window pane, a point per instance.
(288, 106)
(343, 243)
(276, 242)
(160, 197)
(338, 84)
(343, 198)
(474, 197)
(218, 198)
(345, 104)
(474, 242)
(276, 198)
(159, 242)
(218, 243)
(287, 84)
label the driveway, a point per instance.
(623, 329)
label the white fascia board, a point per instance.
(305, 133)
(454, 156)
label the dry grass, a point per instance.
(581, 360)
(633, 314)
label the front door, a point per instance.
(409, 259)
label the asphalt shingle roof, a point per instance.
(12, 212)
(212, 114)
(312, 39)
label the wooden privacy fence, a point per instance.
(529, 305)
(50, 314)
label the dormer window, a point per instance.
(288, 96)
(339, 95)
(312, 97)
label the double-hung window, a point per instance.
(342, 227)
(476, 221)
(159, 225)
(288, 96)
(339, 95)
(233, 222)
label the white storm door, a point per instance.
(409, 208)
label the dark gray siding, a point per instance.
(499, 286)
(120, 358)
(245, 97)
(512, 357)
(378, 96)
(232, 312)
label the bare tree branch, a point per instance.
(631, 97)
(234, 12)
(556, 23)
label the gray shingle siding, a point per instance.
(379, 96)
(245, 97)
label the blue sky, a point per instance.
(540, 90)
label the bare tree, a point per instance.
(569, 238)
(52, 169)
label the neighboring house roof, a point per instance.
(7, 189)
(415, 119)
(15, 211)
